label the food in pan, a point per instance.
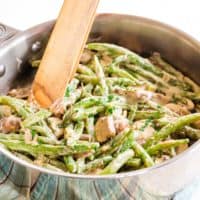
(121, 112)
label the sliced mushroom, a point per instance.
(189, 104)
(160, 98)
(133, 96)
(20, 93)
(196, 124)
(86, 56)
(144, 94)
(106, 60)
(121, 123)
(145, 134)
(5, 111)
(10, 124)
(86, 137)
(142, 131)
(105, 128)
(179, 109)
(139, 94)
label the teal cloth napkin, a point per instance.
(16, 183)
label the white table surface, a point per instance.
(183, 14)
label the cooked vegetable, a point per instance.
(105, 128)
(118, 162)
(166, 144)
(120, 112)
(142, 153)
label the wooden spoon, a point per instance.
(63, 51)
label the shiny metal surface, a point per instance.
(143, 36)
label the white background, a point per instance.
(183, 14)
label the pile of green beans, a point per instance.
(111, 82)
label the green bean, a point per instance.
(128, 144)
(80, 165)
(163, 109)
(97, 101)
(18, 105)
(134, 163)
(71, 87)
(154, 149)
(87, 79)
(79, 127)
(193, 96)
(148, 114)
(97, 163)
(20, 137)
(43, 130)
(12, 136)
(74, 96)
(156, 59)
(141, 114)
(87, 90)
(111, 146)
(191, 133)
(172, 127)
(70, 164)
(101, 76)
(180, 84)
(36, 117)
(119, 81)
(112, 80)
(110, 49)
(180, 80)
(148, 75)
(81, 113)
(194, 86)
(91, 101)
(78, 130)
(97, 91)
(49, 150)
(132, 112)
(118, 162)
(90, 126)
(68, 130)
(39, 149)
(84, 146)
(186, 131)
(48, 140)
(121, 73)
(85, 70)
(117, 50)
(54, 126)
(143, 154)
(148, 84)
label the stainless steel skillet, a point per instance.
(141, 35)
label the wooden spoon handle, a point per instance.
(64, 49)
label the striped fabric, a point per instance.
(17, 182)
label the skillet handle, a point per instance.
(6, 32)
